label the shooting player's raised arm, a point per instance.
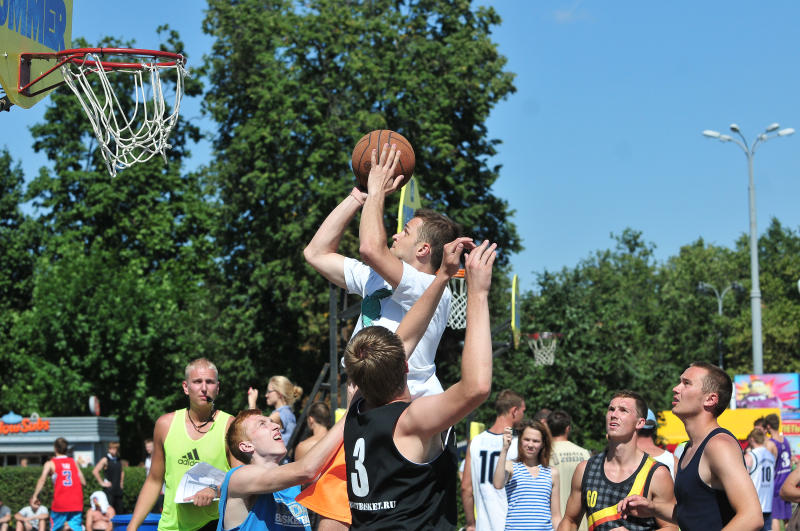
(322, 252)
(372, 232)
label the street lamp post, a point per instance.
(755, 290)
(708, 289)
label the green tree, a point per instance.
(19, 245)
(293, 85)
(779, 265)
(18, 241)
(691, 326)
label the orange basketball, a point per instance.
(362, 154)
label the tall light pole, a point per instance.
(755, 290)
(708, 289)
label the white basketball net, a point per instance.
(458, 304)
(126, 138)
(543, 347)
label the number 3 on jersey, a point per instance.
(358, 479)
(67, 478)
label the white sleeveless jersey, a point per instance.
(763, 475)
(490, 503)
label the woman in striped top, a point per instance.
(531, 485)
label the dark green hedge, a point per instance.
(17, 485)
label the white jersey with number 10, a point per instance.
(490, 503)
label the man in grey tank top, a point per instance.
(712, 487)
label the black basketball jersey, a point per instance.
(385, 490)
(700, 507)
(600, 495)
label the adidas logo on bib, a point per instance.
(191, 458)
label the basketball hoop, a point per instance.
(125, 136)
(458, 304)
(543, 347)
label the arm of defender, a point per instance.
(430, 415)
(574, 510)
(467, 495)
(372, 232)
(790, 491)
(151, 488)
(417, 319)
(81, 478)
(321, 252)
(724, 456)
(252, 479)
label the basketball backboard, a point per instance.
(32, 26)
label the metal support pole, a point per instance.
(755, 289)
(333, 323)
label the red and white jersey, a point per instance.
(67, 491)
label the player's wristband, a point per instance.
(357, 194)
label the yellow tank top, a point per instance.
(180, 454)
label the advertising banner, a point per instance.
(780, 391)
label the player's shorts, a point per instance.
(72, 519)
(328, 495)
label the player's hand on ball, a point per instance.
(380, 174)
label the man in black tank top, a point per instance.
(712, 487)
(114, 476)
(622, 469)
(400, 474)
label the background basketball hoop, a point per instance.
(458, 304)
(543, 346)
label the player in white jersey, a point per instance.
(761, 466)
(485, 506)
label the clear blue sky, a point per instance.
(603, 132)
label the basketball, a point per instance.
(362, 155)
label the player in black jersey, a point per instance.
(621, 470)
(399, 472)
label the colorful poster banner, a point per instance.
(767, 390)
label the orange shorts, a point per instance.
(328, 495)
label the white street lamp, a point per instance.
(755, 290)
